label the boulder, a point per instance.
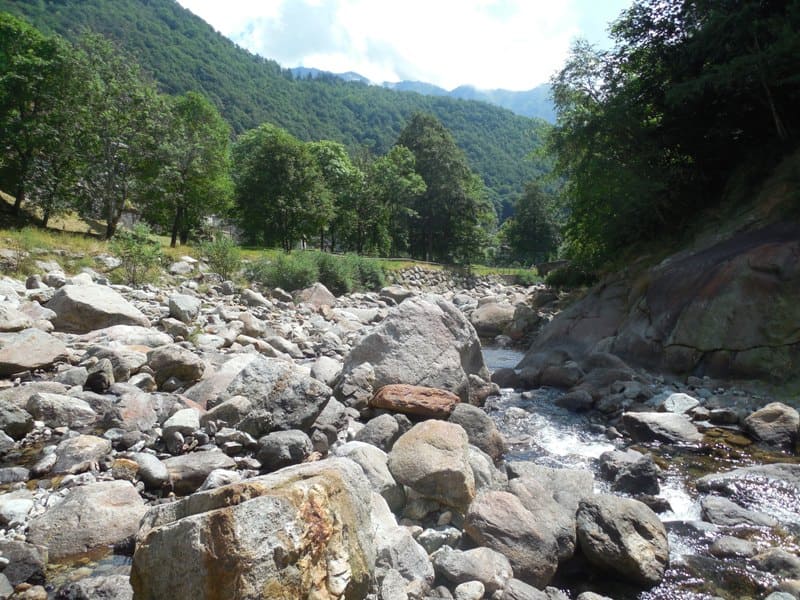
(283, 448)
(498, 520)
(424, 341)
(481, 429)
(492, 319)
(92, 516)
(15, 421)
(27, 562)
(28, 350)
(776, 424)
(12, 319)
(375, 464)
(429, 403)
(317, 295)
(670, 428)
(99, 587)
(56, 410)
(80, 453)
(433, 459)
(175, 361)
(152, 471)
(184, 307)
(382, 432)
(624, 536)
(188, 471)
(185, 421)
(489, 567)
(286, 391)
(84, 308)
(724, 512)
(295, 533)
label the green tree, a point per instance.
(192, 166)
(35, 86)
(122, 136)
(453, 214)
(279, 188)
(531, 234)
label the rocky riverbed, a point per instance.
(200, 439)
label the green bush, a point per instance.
(140, 254)
(335, 273)
(571, 276)
(288, 271)
(370, 273)
(527, 278)
(223, 255)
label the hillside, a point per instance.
(183, 53)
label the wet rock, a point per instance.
(507, 378)
(429, 403)
(189, 471)
(80, 453)
(577, 400)
(433, 459)
(184, 307)
(779, 562)
(489, 567)
(481, 429)
(638, 477)
(90, 517)
(662, 427)
(498, 520)
(84, 308)
(283, 448)
(732, 547)
(29, 349)
(623, 536)
(424, 341)
(289, 534)
(175, 361)
(721, 511)
(776, 424)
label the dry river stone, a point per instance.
(498, 520)
(489, 567)
(183, 307)
(296, 533)
(90, 517)
(623, 536)
(13, 320)
(481, 429)
(188, 471)
(56, 410)
(175, 361)
(432, 458)
(775, 424)
(84, 308)
(28, 350)
(426, 402)
(80, 453)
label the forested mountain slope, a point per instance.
(183, 53)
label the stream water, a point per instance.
(540, 431)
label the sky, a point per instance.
(507, 44)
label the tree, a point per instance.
(343, 181)
(453, 213)
(122, 136)
(279, 188)
(395, 186)
(531, 234)
(192, 166)
(35, 86)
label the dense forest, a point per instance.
(183, 53)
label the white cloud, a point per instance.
(511, 44)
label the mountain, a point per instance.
(182, 52)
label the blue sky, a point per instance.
(510, 44)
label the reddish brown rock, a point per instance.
(416, 400)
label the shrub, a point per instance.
(526, 278)
(571, 276)
(370, 273)
(288, 271)
(138, 252)
(335, 273)
(223, 255)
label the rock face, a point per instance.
(90, 517)
(726, 310)
(415, 400)
(29, 349)
(296, 533)
(624, 536)
(432, 458)
(84, 308)
(424, 341)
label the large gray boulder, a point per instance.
(481, 429)
(84, 308)
(424, 341)
(90, 517)
(12, 319)
(374, 462)
(80, 453)
(775, 424)
(499, 520)
(432, 458)
(293, 398)
(56, 410)
(489, 567)
(623, 536)
(492, 318)
(661, 427)
(175, 361)
(296, 533)
(184, 307)
(29, 349)
(546, 513)
(188, 471)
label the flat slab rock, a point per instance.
(84, 308)
(431, 403)
(28, 350)
(670, 428)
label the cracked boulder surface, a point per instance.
(727, 310)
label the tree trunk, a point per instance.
(175, 224)
(45, 217)
(19, 197)
(322, 239)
